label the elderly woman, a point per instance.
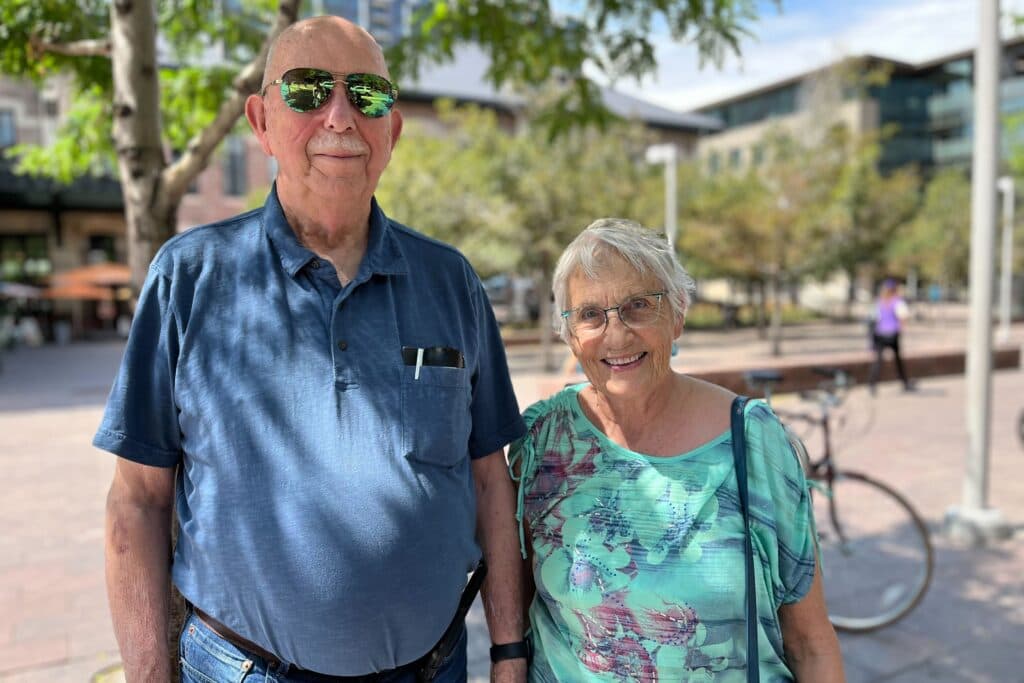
(628, 497)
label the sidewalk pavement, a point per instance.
(54, 625)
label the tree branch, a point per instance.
(97, 47)
(197, 154)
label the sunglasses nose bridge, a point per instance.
(339, 110)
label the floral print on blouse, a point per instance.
(638, 560)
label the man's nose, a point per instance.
(339, 112)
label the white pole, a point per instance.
(1006, 267)
(671, 226)
(973, 520)
(667, 154)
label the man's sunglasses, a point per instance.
(305, 90)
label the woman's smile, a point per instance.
(621, 363)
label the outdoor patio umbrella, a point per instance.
(97, 274)
(78, 291)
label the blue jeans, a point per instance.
(205, 657)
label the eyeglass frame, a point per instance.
(339, 77)
(565, 314)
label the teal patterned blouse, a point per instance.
(638, 560)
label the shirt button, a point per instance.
(314, 265)
(343, 345)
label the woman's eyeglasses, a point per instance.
(642, 310)
(306, 89)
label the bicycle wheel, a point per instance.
(876, 555)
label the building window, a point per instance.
(735, 156)
(713, 163)
(235, 181)
(757, 155)
(24, 258)
(342, 8)
(102, 249)
(8, 134)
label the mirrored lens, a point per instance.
(371, 94)
(304, 90)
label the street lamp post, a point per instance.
(668, 155)
(974, 520)
(1005, 185)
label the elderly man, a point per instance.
(323, 394)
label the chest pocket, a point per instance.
(436, 420)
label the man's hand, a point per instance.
(509, 671)
(138, 541)
(502, 591)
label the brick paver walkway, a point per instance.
(54, 625)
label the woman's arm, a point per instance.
(810, 642)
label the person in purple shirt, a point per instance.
(889, 313)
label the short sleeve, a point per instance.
(140, 422)
(522, 464)
(496, 419)
(781, 505)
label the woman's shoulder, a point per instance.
(556, 403)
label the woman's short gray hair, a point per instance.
(644, 249)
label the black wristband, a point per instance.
(517, 650)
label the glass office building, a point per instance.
(387, 20)
(927, 109)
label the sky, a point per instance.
(807, 34)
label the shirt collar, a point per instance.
(383, 255)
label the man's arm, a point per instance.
(496, 530)
(138, 542)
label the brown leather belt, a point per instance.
(293, 673)
(235, 639)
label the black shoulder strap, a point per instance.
(739, 454)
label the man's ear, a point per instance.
(396, 126)
(256, 113)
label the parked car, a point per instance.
(513, 297)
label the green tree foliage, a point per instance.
(765, 227)
(937, 241)
(41, 40)
(867, 211)
(155, 117)
(510, 200)
(449, 184)
(531, 42)
(201, 81)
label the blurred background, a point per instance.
(795, 154)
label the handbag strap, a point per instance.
(739, 454)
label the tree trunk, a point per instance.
(851, 292)
(136, 130)
(547, 346)
(776, 333)
(762, 311)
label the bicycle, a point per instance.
(876, 555)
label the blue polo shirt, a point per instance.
(325, 496)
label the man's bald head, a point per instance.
(295, 44)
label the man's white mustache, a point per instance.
(336, 148)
